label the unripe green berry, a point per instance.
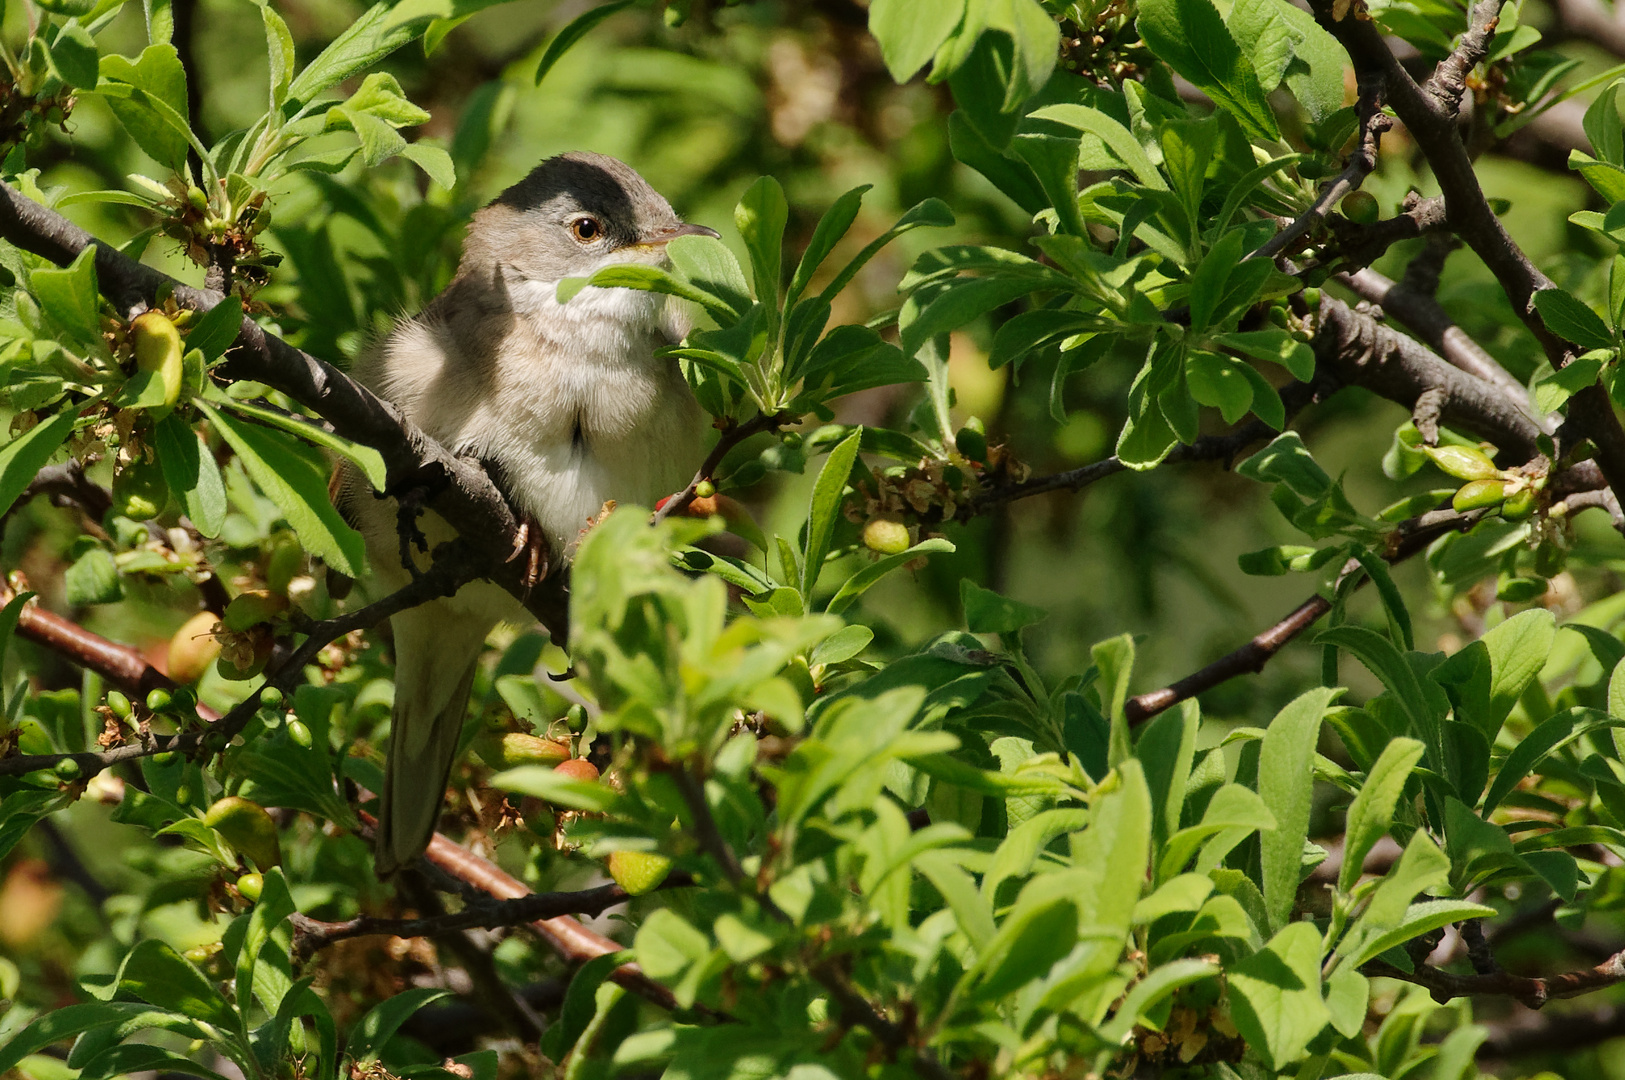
(159, 699)
(299, 734)
(119, 704)
(68, 769)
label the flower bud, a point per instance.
(1463, 462)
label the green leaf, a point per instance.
(158, 975)
(825, 507)
(297, 489)
(272, 908)
(74, 57)
(653, 279)
(706, 262)
(573, 32)
(1419, 919)
(1386, 662)
(279, 48)
(1275, 995)
(1551, 734)
(1602, 125)
(544, 783)
(954, 305)
(383, 1020)
(191, 473)
(1286, 780)
(23, 457)
(68, 296)
(362, 44)
(365, 458)
(1373, 809)
(64, 1022)
(435, 163)
(932, 213)
(1348, 997)
(1117, 139)
(93, 579)
(149, 99)
(760, 217)
(986, 612)
(832, 226)
(1234, 810)
(580, 1003)
(1572, 320)
(1554, 391)
(1220, 382)
(1486, 679)
(1156, 986)
(1192, 39)
(910, 33)
(1275, 347)
(1115, 659)
(859, 583)
(217, 329)
(1285, 44)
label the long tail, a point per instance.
(436, 650)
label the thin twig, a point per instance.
(1373, 122)
(312, 935)
(1531, 992)
(731, 437)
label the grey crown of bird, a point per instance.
(568, 404)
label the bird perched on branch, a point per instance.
(566, 403)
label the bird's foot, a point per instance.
(530, 543)
(409, 507)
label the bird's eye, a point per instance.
(585, 229)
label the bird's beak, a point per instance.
(672, 232)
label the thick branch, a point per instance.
(1430, 115)
(1425, 318)
(1360, 351)
(463, 492)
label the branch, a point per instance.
(1360, 351)
(1373, 122)
(1532, 993)
(451, 570)
(1409, 537)
(732, 436)
(464, 493)
(312, 935)
(1423, 315)
(128, 668)
(1207, 448)
(1430, 115)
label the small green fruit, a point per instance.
(119, 704)
(158, 348)
(251, 886)
(885, 535)
(165, 758)
(576, 718)
(704, 489)
(1360, 207)
(270, 697)
(515, 748)
(1479, 493)
(248, 828)
(1519, 505)
(638, 872)
(159, 699)
(140, 491)
(1463, 462)
(68, 770)
(971, 443)
(299, 734)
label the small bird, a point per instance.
(565, 403)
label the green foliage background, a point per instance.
(1082, 597)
